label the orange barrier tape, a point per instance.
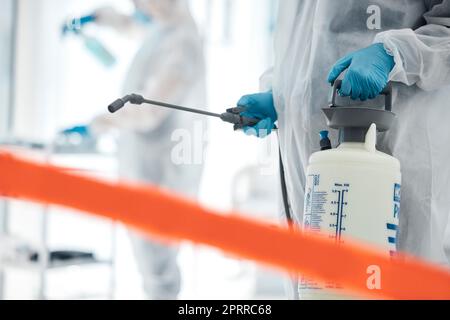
(162, 214)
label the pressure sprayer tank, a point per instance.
(354, 190)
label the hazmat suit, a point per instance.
(311, 36)
(169, 66)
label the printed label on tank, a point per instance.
(314, 204)
(392, 225)
(318, 201)
(397, 196)
(325, 211)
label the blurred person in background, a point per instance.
(170, 67)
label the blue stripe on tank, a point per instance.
(391, 226)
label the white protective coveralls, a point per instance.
(168, 67)
(311, 36)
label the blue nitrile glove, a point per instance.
(260, 106)
(82, 130)
(367, 74)
(76, 24)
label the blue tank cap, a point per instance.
(323, 134)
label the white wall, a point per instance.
(58, 82)
(6, 51)
(38, 74)
(234, 67)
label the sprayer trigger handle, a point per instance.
(387, 93)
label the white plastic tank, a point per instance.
(351, 191)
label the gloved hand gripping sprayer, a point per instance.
(352, 190)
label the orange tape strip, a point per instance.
(156, 212)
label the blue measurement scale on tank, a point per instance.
(340, 190)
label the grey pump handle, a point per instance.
(387, 92)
